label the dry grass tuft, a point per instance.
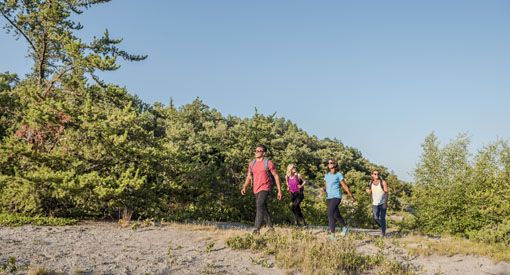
(312, 252)
(41, 270)
(449, 246)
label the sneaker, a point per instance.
(344, 231)
(332, 237)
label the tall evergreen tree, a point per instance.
(73, 148)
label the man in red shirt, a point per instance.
(261, 186)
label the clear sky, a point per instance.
(378, 75)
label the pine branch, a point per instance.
(52, 82)
(19, 30)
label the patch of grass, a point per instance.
(40, 271)
(209, 247)
(17, 219)
(9, 266)
(171, 255)
(209, 268)
(406, 245)
(12, 267)
(135, 226)
(316, 254)
(450, 245)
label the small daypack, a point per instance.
(271, 177)
(300, 182)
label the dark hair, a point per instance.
(380, 177)
(337, 169)
(264, 148)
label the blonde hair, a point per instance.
(289, 169)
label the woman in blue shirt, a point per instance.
(333, 180)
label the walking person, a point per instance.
(333, 180)
(379, 190)
(296, 183)
(258, 172)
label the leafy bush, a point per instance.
(462, 195)
(72, 145)
(16, 219)
(493, 234)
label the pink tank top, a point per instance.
(293, 184)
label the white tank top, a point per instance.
(378, 195)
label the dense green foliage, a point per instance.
(211, 156)
(74, 146)
(461, 194)
(16, 219)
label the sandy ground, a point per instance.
(438, 264)
(105, 248)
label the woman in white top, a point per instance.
(379, 189)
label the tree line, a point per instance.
(72, 145)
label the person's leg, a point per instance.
(294, 199)
(331, 217)
(334, 214)
(338, 217)
(259, 217)
(267, 217)
(300, 197)
(376, 209)
(382, 214)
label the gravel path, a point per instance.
(106, 248)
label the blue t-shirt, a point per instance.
(333, 185)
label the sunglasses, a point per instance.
(259, 151)
(375, 174)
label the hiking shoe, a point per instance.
(270, 230)
(344, 231)
(255, 232)
(332, 237)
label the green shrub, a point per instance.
(16, 219)
(492, 234)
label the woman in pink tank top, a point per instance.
(296, 183)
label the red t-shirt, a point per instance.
(261, 180)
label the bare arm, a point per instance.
(369, 188)
(246, 183)
(346, 188)
(385, 188)
(277, 179)
(323, 189)
(302, 180)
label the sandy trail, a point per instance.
(105, 248)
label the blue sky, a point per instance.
(378, 75)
